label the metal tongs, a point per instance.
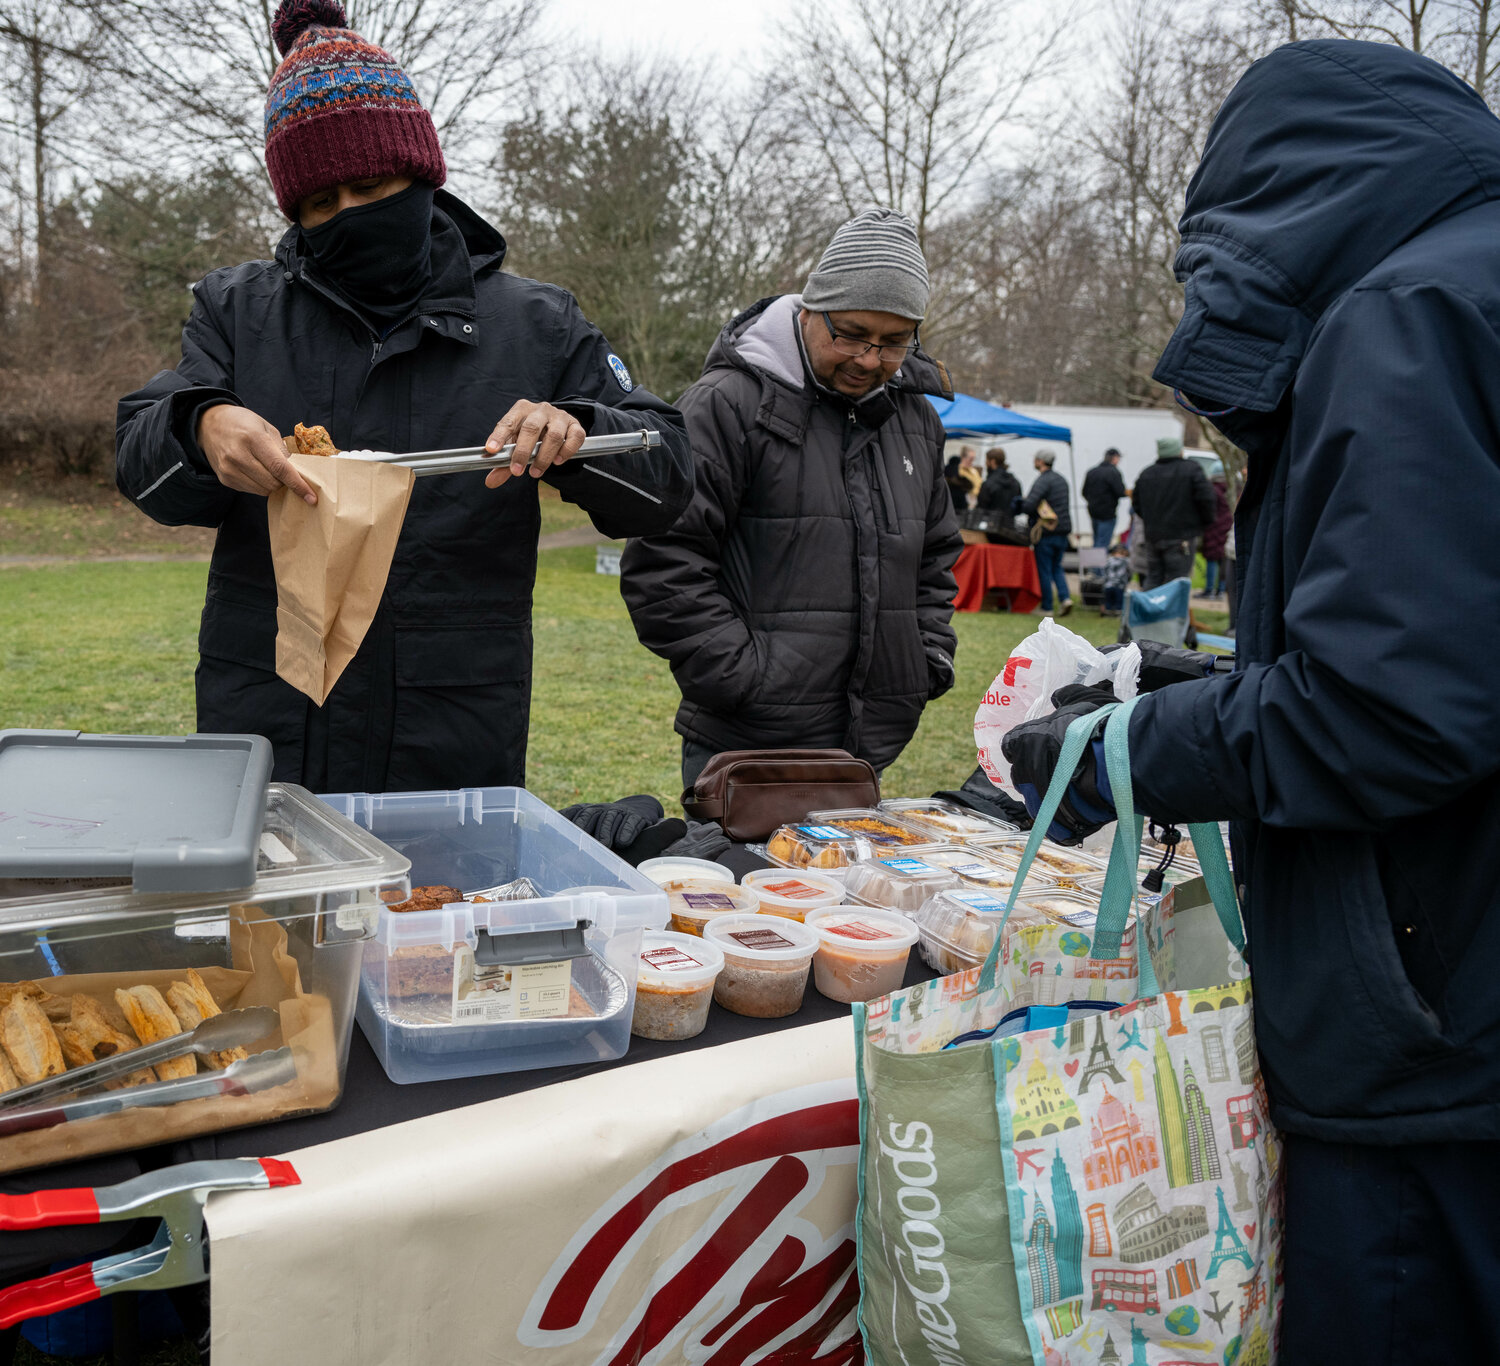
(463, 458)
(218, 1033)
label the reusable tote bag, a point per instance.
(1139, 1177)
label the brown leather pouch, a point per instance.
(752, 791)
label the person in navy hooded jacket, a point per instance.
(1341, 258)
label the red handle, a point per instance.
(279, 1172)
(47, 1294)
(45, 1209)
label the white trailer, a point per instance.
(1131, 431)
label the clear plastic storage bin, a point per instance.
(290, 943)
(469, 989)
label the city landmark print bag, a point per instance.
(1065, 1153)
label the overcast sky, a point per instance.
(684, 28)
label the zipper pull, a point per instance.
(375, 350)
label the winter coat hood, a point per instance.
(1325, 158)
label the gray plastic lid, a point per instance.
(172, 813)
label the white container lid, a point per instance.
(762, 938)
(800, 890)
(863, 930)
(678, 961)
(673, 868)
(701, 897)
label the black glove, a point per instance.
(1033, 748)
(1165, 664)
(979, 794)
(704, 839)
(940, 672)
(616, 825)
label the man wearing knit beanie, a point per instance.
(386, 318)
(804, 599)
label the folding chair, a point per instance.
(1159, 614)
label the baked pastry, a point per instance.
(152, 1019)
(313, 441)
(56, 1008)
(192, 1003)
(8, 1079)
(89, 1037)
(429, 898)
(426, 970)
(29, 1040)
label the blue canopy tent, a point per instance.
(964, 415)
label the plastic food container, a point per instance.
(957, 929)
(949, 821)
(292, 941)
(765, 964)
(1078, 909)
(973, 868)
(695, 901)
(793, 895)
(675, 985)
(1066, 867)
(472, 989)
(863, 952)
(837, 839)
(897, 884)
(673, 869)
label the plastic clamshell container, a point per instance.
(949, 820)
(671, 868)
(1076, 909)
(694, 902)
(166, 813)
(474, 838)
(973, 868)
(293, 939)
(837, 839)
(766, 961)
(1066, 867)
(675, 985)
(897, 884)
(793, 895)
(863, 954)
(957, 929)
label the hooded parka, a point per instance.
(805, 597)
(439, 694)
(1341, 253)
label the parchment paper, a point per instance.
(331, 564)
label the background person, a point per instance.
(1001, 488)
(969, 471)
(386, 318)
(804, 599)
(1176, 506)
(1343, 220)
(1103, 487)
(958, 486)
(1056, 525)
(1215, 538)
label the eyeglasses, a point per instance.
(854, 347)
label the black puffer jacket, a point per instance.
(1103, 487)
(439, 694)
(805, 597)
(999, 492)
(1174, 499)
(1050, 486)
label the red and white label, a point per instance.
(793, 890)
(858, 929)
(669, 959)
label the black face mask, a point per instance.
(378, 256)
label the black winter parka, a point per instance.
(804, 598)
(1174, 499)
(439, 694)
(1343, 298)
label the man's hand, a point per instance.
(554, 434)
(247, 454)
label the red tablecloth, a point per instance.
(982, 567)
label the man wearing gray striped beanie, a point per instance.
(804, 599)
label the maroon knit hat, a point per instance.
(340, 109)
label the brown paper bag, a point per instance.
(331, 564)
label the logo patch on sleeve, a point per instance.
(621, 373)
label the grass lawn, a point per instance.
(111, 647)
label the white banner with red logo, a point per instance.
(693, 1209)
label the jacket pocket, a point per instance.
(239, 629)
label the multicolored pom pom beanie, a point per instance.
(340, 109)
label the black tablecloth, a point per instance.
(370, 1101)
